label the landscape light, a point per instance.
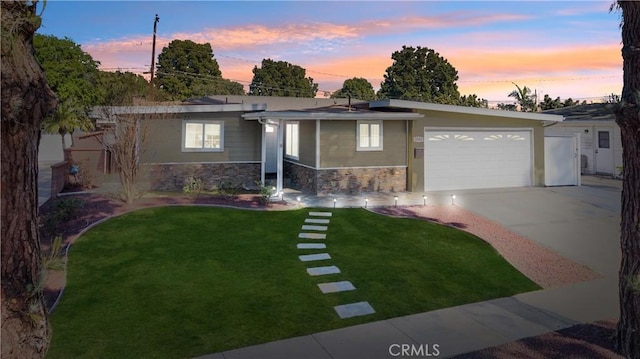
(424, 200)
(453, 197)
(366, 201)
(395, 198)
(298, 199)
(334, 202)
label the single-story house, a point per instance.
(598, 133)
(334, 145)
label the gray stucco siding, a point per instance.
(307, 143)
(242, 140)
(338, 145)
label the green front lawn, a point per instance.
(177, 282)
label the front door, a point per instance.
(604, 150)
(271, 139)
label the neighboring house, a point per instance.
(599, 136)
(50, 148)
(331, 145)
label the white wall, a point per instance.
(587, 139)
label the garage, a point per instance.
(465, 159)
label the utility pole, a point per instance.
(153, 49)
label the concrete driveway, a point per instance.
(581, 223)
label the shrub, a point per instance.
(193, 185)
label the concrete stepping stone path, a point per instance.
(320, 214)
(314, 257)
(316, 221)
(336, 287)
(312, 236)
(311, 246)
(314, 228)
(322, 225)
(354, 309)
(315, 271)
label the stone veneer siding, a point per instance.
(172, 177)
(300, 177)
(346, 180)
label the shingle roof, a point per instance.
(587, 112)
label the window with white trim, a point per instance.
(292, 139)
(202, 136)
(369, 136)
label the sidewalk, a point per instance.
(450, 331)
(580, 222)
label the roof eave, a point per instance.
(302, 116)
(414, 105)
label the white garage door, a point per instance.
(477, 159)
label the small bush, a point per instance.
(193, 185)
(265, 193)
(63, 209)
(53, 259)
(229, 190)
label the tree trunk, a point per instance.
(26, 100)
(628, 118)
(64, 141)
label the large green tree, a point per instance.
(73, 75)
(420, 74)
(121, 88)
(356, 87)
(628, 118)
(26, 101)
(187, 69)
(280, 78)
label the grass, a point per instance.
(185, 281)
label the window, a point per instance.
(202, 136)
(603, 139)
(369, 135)
(292, 140)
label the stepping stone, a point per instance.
(312, 235)
(314, 257)
(354, 309)
(336, 287)
(314, 228)
(311, 246)
(323, 270)
(320, 214)
(316, 221)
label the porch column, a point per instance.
(280, 156)
(263, 162)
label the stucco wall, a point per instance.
(164, 140)
(338, 146)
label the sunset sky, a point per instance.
(566, 49)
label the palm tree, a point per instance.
(524, 98)
(65, 120)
